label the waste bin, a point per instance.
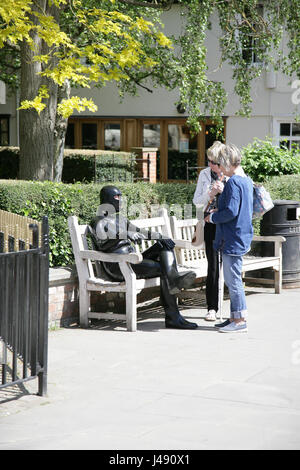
(284, 220)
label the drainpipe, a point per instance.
(17, 117)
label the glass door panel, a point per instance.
(151, 138)
(181, 147)
(89, 136)
(112, 136)
(70, 136)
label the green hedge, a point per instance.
(97, 166)
(87, 166)
(58, 201)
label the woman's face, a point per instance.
(214, 166)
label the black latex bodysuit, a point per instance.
(116, 234)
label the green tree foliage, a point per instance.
(261, 160)
(90, 42)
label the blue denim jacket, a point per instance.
(234, 230)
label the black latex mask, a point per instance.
(107, 196)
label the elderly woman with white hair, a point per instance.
(234, 232)
(209, 186)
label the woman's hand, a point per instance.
(217, 187)
(206, 219)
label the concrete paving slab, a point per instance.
(167, 389)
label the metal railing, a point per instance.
(18, 232)
(24, 283)
(189, 168)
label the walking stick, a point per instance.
(220, 285)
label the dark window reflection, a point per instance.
(89, 136)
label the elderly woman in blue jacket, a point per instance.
(234, 233)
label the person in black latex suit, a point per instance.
(113, 233)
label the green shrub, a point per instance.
(261, 160)
(58, 201)
(97, 166)
(284, 187)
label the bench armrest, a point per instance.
(184, 244)
(268, 238)
(93, 255)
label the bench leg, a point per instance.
(84, 307)
(278, 281)
(131, 309)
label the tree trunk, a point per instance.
(60, 131)
(36, 130)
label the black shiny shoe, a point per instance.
(224, 323)
(179, 323)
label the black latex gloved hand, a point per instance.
(136, 237)
(167, 243)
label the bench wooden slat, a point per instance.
(88, 282)
(188, 257)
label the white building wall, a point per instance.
(269, 103)
(241, 131)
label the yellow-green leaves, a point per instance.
(36, 103)
(109, 44)
(67, 107)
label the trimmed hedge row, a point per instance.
(97, 166)
(87, 166)
(58, 201)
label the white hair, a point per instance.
(229, 156)
(214, 150)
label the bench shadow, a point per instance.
(13, 392)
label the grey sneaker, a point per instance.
(240, 327)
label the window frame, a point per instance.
(277, 137)
(238, 37)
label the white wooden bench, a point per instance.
(187, 257)
(190, 258)
(88, 282)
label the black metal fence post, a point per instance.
(24, 284)
(44, 294)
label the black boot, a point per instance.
(173, 318)
(176, 280)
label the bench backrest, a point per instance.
(79, 234)
(184, 229)
(160, 224)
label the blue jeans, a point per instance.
(232, 266)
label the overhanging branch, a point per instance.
(161, 6)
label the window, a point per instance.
(182, 146)
(112, 137)
(289, 134)
(89, 136)
(4, 130)
(151, 138)
(211, 135)
(250, 48)
(70, 136)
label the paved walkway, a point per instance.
(167, 389)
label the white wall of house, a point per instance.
(271, 94)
